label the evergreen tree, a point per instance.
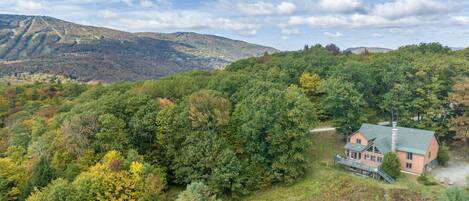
(391, 164)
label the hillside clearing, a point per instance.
(326, 182)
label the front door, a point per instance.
(354, 155)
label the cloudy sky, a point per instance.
(284, 24)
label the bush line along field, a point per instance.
(225, 134)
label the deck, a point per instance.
(357, 166)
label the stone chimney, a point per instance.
(394, 136)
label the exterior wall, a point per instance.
(360, 136)
(418, 162)
(433, 149)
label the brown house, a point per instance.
(417, 149)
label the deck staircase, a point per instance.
(385, 176)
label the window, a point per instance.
(409, 156)
(429, 154)
(358, 141)
(373, 158)
(367, 156)
(408, 165)
(380, 159)
(376, 149)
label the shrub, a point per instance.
(426, 180)
(443, 155)
(454, 194)
(196, 191)
(391, 164)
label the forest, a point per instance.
(218, 134)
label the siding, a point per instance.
(360, 136)
(433, 148)
(418, 162)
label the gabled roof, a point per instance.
(355, 147)
(408, 139)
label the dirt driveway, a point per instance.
(454, 174)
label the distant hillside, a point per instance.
(457, 48)
(38, 44)
(359, 50)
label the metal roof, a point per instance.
(355, 147)
(408, 139)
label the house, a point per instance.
(364, 151)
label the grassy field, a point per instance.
(325, 182)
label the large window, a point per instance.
(376, 149)
(408, 165)
(380, 159)
(409, 156)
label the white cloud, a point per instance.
(146, 3)
(377, 35)
(139, 21)
(333, 35)
(353, 21)
(286, 8)
(252, 32)
(263, 8)
(286, 31)
(405, 8)
(128, 2)
(107, 14)
(462, 20)
(30, 5)
(342, 5)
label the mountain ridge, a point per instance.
(359, 50)
(42, 44)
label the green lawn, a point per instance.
(325, 182)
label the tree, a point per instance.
(41, 176)
(443, 155)
(108, 180)
(58, 190)
(454, 194)
(344, 104)
(208, 111)
(12, 179)
(77, 131)
(391, 164)
(196, 191)
(143, 125)
(111, 135)
(333, 49)
(460, 123)
(272, 125)
(309, 83)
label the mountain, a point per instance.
(40, 44)
(456, 48)
(359, 50)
